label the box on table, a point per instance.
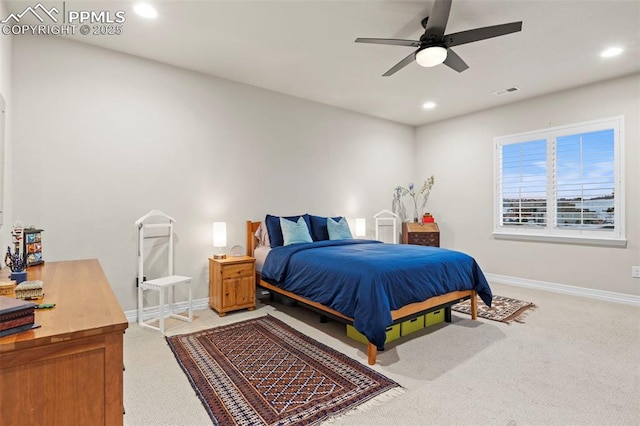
(393, 333)
(412, 325)
(30, 290)
(433, 318)
(8, 288)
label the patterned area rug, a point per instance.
(503, 309)
(263, 372)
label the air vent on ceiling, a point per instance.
(507, 90)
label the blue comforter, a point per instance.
(366, 279)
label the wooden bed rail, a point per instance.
(442, 301)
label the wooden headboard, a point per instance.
(252, 241)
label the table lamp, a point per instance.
(219, 239)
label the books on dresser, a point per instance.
(16, 315)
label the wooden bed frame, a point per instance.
(399, 315)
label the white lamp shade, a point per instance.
(431, 56)
(361, 227)
(219, 234)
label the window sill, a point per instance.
(563, 239)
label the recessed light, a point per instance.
(429, 105)
(146, 10)
(611, 52)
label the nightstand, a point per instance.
(422, 234)
(232, 284)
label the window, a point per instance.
(562, 184)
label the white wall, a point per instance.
(101, 138)
(459, 152)
(5, 150)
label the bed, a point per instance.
(367, 283)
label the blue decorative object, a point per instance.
(19, 277)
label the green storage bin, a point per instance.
(412, 325)
(433, 318)
(393, 333)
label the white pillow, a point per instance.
(262, 234)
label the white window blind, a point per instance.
(561, 183)
(585, 188)
(523, 180)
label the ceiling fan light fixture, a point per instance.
(431, 56)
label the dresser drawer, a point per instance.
(422, 234)
(237, 271)
(424, 239)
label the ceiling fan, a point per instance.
(434, 47)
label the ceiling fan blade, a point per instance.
(455, 62)
(437, 22)
(469, 36)
(403, 63)
(391, 41)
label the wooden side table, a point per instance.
(422, 234)
(232, 284)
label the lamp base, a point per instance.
(219, 256)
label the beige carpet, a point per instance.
(574, 362)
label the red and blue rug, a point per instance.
(264, 372)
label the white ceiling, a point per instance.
(306, 48)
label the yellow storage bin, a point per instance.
(412, 325)
(433, 318)
(393, 332)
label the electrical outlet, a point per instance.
(635, 271)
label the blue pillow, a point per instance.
(338, 230)
(275, 230)
(319, 227)
(295, 232)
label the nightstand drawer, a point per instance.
(237, 271)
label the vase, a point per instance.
(18, 277)
(395, 206)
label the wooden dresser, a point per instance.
(422, 234)
(70, 370)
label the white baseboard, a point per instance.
(608, 296)
(132, 316)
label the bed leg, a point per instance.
(474, 306)
(372, 353)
